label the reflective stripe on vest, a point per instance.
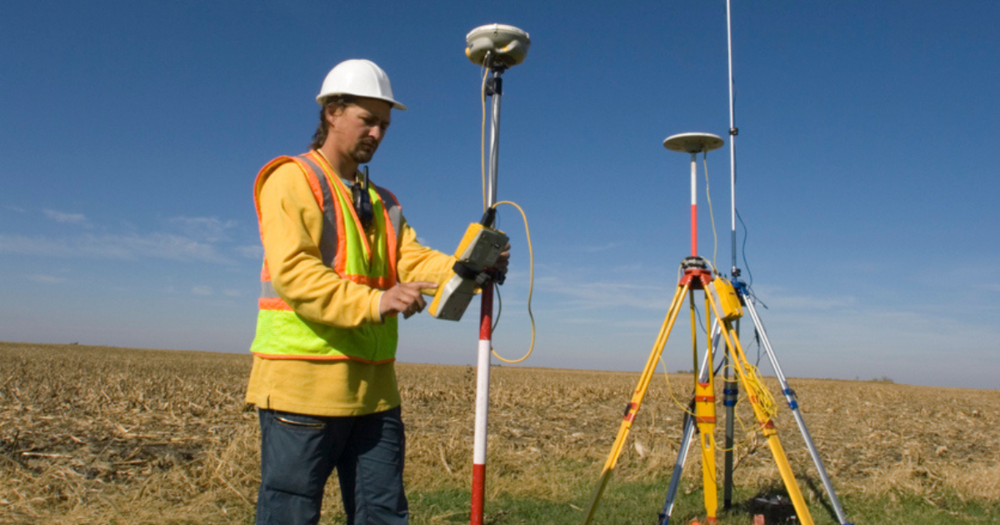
(344, 247)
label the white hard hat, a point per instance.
(358, 77)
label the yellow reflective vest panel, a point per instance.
(344, 247)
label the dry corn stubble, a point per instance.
(95, 435)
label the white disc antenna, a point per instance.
(506, 45)
(693, 142)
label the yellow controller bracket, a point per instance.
(479, 249)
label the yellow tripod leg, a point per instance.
(636, 401)
(801, 510)
(705, 417)
(767, 425)
(704, 413)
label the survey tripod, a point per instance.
(748, 304)
(722, 307)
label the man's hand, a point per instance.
(502, 261)
(404, 298)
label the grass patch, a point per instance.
(641, 504)
(945, 509)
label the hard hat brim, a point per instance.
(393, 103)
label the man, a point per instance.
(340, 265)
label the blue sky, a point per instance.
(131, 132)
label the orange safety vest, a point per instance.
(344, 247)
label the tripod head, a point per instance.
(694, 263)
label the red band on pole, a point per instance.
(479, 470)
(478, 490)
(486, 314)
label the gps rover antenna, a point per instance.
(495, 47)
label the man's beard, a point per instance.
(362, 155)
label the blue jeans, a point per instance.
(299, 452)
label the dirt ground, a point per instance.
(102, 435)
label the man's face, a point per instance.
(358, 129)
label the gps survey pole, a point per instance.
(493, 90)
(495, 47)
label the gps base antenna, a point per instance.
(496, 47)
(693, 143)
(722, 308)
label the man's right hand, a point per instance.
(404, 298)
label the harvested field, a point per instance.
(113, 435)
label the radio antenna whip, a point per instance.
(730, 385)
(733, 131)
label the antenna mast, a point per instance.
(731, 387)
(733, 131)
(730, 392)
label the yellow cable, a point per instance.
(711, 214)
(748, 432)
(482, 141)
(755, 385)
(670, 391)
(531, 285)
(527, 232)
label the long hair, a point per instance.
(333, 104)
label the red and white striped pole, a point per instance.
(485, 323)
(694, 204)
(482, 406)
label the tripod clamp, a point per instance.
(741, 287)
(482, 277)
(494, 84)
(694, 262)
